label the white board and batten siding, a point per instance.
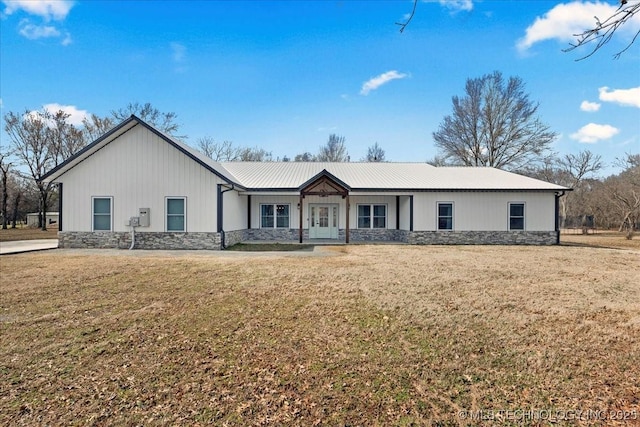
(294, 213)
(235, 210)
(139, 170)
(484, 211)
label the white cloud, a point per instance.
(377, 81)
(592, 133)
(46, 9)
(453, 5)
(565, 20)
(34, 32)
(626, 97)
(589, 106)
(75, 115)
(458, 5)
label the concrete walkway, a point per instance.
(20, 246)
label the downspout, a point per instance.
(220, 213)
(133, 235)
(557, 208)
(59, 206)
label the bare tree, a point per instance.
(165, 122)
(375, 153)
(305, 157)
(219, 151)
(574, 171)
(624, 193)
(5, 166)
(65, 139)
(226, 152)
(24, 196)
(334, 150)
(495, 125)
(41, 140)
(603, 31)
(438, 161)
(93, 127)
(30, 136)
(254, 154)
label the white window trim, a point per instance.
(110, 212)
(524, 216)
(371, 216)
(166, 213)
(453, 216)
(275, 215)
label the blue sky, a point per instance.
(284, 75)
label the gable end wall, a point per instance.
(139, 170)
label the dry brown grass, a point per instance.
(364, 335)
(604, 239)
(26, 233)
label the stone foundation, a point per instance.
(376, 235)
(480, 237)
(276, 234)
(212, 241)
(144, 240)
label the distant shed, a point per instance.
(32, 218)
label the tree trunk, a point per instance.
(563, 210)
(5, 196)
(16, 203)
(44, 195)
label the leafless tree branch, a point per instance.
(404, 24)
(603, 31)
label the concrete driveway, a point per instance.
(20, 246)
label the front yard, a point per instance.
(361, 335)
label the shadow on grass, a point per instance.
(594, 246)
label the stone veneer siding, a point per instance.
(144, 240)
(376, 235)
(212, 241)
(480, 237)
(234, 237)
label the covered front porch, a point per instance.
(324, 209)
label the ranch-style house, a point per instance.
(136, 187)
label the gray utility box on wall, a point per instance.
(144, 217)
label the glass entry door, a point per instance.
(323, 221)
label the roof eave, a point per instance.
(324, 173)
(89, 150)
(115, 133)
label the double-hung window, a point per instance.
(445, 216)
(176, 214)
(102, 213)
(274, 216)
(516, 216)
(372, 216)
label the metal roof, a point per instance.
(381, 176)
(290, 176)
(124, 127)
